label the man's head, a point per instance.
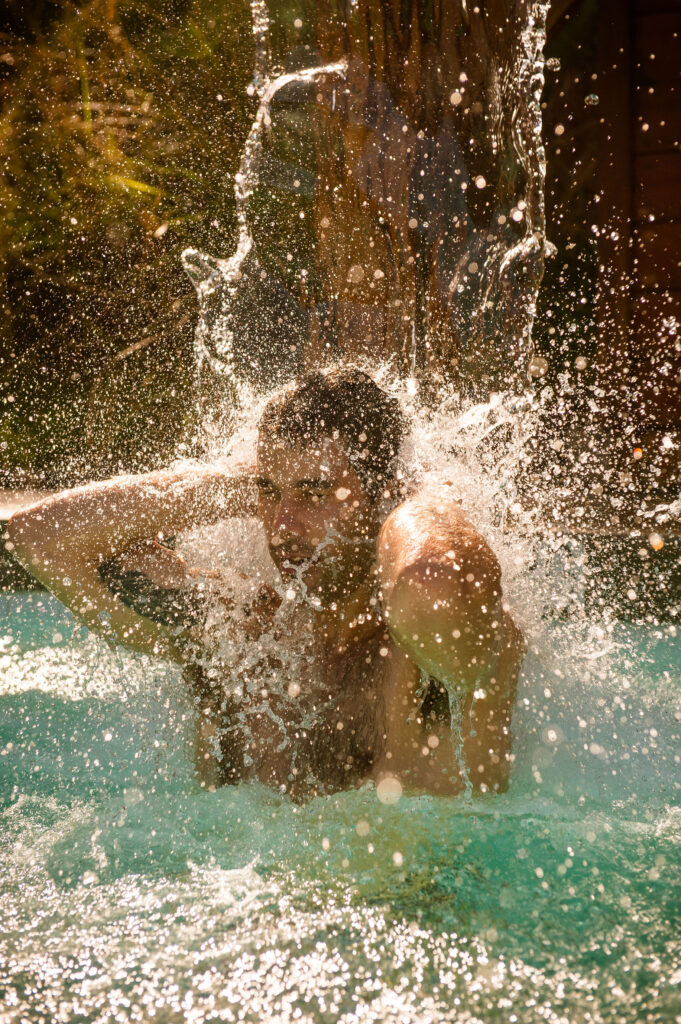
(327, 452)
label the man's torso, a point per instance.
(297, 715)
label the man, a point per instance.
(390, 607)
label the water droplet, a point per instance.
(538, 366)
(592, 100)
(389, 790)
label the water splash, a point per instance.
(219, 281)
(474, 455)
(448, 230)
(128, 891)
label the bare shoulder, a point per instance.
(433, 505)
(431, 528)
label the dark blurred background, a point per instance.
(121, 126)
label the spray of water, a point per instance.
(481, 272)
(426, 214)
(475, 452)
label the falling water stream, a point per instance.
(128, 893)
(389, 202)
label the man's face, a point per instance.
(320, 523)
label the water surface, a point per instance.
(130, 894)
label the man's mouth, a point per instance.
(290, 564)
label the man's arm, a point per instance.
(65, 539)
(441, 587)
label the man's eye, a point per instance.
(267, 492)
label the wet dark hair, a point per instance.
(346, 404)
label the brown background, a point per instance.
(97, 320)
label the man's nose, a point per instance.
(286, 523)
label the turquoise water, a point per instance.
(127, 894)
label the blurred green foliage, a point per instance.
(121, 125)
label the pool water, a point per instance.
(128, 894)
